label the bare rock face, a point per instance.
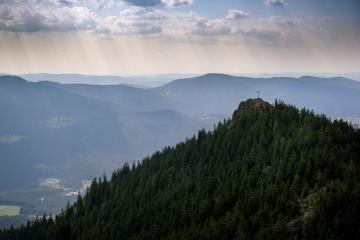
(307, 206)
(251, 105)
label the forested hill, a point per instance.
(270, 172)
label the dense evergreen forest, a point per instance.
(269, 172)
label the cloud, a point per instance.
(29, 18)
(265, 36)
(235, 26)
(276, 2)
(234, 14)
(134, 21)
(63, 2)
(283, 22)
(174, 3)
(182, 25)
(61, 122)
(153, 3)
(10, 139)
(211, 27)
(144, 3)
(151, 21)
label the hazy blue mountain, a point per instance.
(75, 132)
(219, 93)
(74, 78)
(137, 81)
(124, 98)
(157, 129)
(43, 129)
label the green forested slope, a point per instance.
(270, 172)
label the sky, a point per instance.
(140, 37)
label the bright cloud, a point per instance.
(69, 15)
(29, 18)
(149, 18)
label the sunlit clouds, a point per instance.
(162, 36)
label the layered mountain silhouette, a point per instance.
(214, 93)
(54, 130)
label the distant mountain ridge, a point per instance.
(135, 81)
(125, 98)
(61, 127)
(214, 93)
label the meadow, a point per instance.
(6, 210)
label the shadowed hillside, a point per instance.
(76, 132)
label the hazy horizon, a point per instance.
(350, 75)
(157, 80)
